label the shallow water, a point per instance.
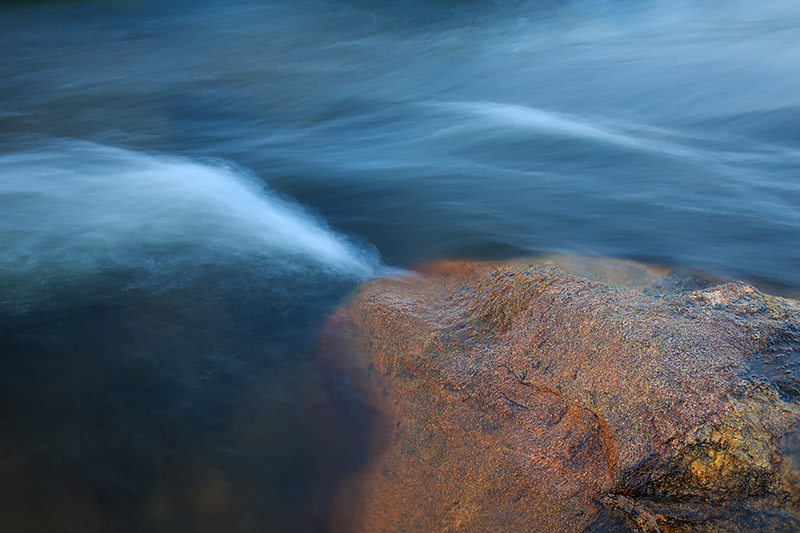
(188, 188)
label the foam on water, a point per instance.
(73, 209)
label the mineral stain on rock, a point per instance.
(568, 395)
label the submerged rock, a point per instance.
(529, 397)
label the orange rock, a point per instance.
(522, 397)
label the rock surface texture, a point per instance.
(571, 395)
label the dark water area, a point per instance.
(187, 189)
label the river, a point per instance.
(187, 189)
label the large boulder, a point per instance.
(523, 396)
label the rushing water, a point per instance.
(188, 188)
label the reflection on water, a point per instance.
(160, 304)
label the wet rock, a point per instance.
(527, 396)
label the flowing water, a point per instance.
(187, 189)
